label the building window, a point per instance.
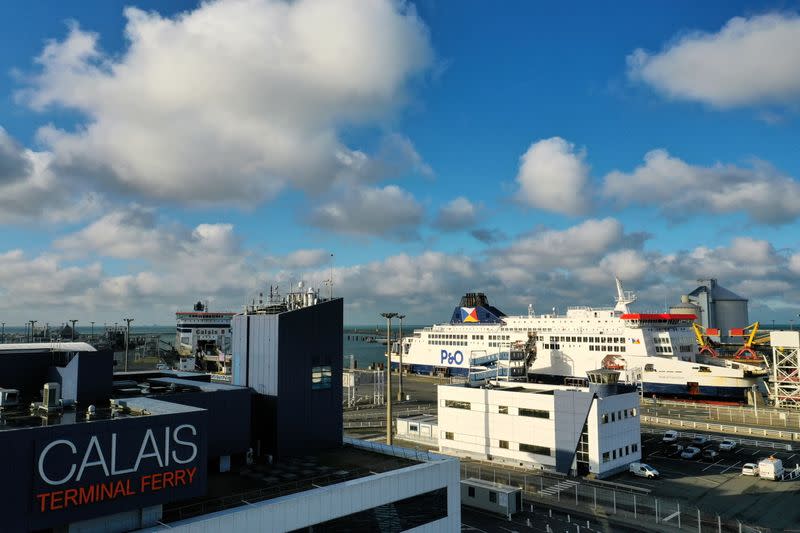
(635, 448)
(492, 496)
(606, 457)
(502, 409)
(471, 492)
(532, 448)
(612, 416)
(457, 405)
(413, 427)
(627, 452)
(504, 444)
(613, 454)
(633, 412)
(321, 377)
(535, 413)
(605, 418)
(448, 435)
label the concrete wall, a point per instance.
(616, 435)
(319, 505)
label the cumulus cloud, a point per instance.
(488, 235)
(554, 176)
(458, 214)
(300, 259)
(678, 188)
(233, 101)
(749, 61)
(31, 192)
(380, 211)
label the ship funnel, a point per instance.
(603, 382)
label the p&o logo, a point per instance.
(455, 358)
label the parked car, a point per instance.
(643, 470)
(700, 440)
(670, 436)
(727, 445)
(710, 453)
(749, 469)
(673, 450)
(690, 453)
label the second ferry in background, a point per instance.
(656, 351)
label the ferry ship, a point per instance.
(204, 337)
(656, 351)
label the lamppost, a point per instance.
(127, 336)
(400, 351)
(73, 328)
(33, 324)
(4, 332)
(389, 317)
(92, 330)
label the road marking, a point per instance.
(756, 452)
(734, 464)
(506, 529)
(709, 466)
(791, 456)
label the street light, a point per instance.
(388, 317)
(127, 336)
(4, 333)
(400, 351)
(92, 329)
(33, 324)
(73, 328)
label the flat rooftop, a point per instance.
(47, 347)
(22, 416)
(258, 482)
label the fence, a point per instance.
(609, 500)
(740, 441)
(722, 428)
(740, 415)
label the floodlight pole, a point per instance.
(389, 317)
(400, 351)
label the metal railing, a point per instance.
(726, 429)
(650, 512)
(746, 415)
(742, 442)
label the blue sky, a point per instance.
(173, 151)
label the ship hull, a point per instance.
(699, 392)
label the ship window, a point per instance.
(502, 409)
(621, 348)
(704, 369)
(591, 348)
(649, 367)
(448, 435)
(504, 444)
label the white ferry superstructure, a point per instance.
(204, 333)
(656, 350)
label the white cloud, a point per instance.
(31, 193)
(678, 188)
(300, 259)
(233, 101)
(382, 211)
(457, 214)
(554, 176)
(749, 61)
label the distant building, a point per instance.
(719, 308)
(568, 429)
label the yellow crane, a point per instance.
(747, 351)
(704, 341)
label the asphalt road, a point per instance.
(718, 486)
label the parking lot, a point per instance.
(718, 485)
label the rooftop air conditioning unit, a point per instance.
(9, 398)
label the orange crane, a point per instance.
(747, 351)
(704, 341)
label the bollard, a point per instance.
(528, 522)
(568, 520)
(551, 512)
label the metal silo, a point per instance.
(720, 307)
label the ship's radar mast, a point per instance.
(624, 298)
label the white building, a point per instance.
(577, 430)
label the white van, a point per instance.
(643, 470)
(770, 468)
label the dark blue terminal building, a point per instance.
(87, 449)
